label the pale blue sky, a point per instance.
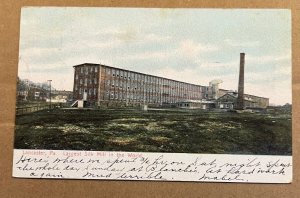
(191, 45)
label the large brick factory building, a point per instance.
(104, 85)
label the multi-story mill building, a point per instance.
(104, 85)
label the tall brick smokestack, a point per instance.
(240, 99)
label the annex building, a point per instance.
(103, 85)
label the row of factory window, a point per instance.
(87, 70)
(131, 96)
(91, 92)
(153, 89)
(143, 78)
(138, 98)
(88, 81)
(161, 92)
(185, 87)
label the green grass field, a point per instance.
(191, 131)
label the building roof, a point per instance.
(83, 64)
(235, 97)
(226, 90)
(93, 64)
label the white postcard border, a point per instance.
(111, 165)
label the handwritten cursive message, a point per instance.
(62, 164)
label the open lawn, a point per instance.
(190, 131)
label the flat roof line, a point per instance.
(136, 72)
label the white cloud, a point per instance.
(185, 49)
(279, 92)
(284, 70)
(161, 55)
(156, 38)
(234, 43)
(80, 45)
(219, 65)
(37, 51)
(286, 56)
(191, 49)
(185, 75)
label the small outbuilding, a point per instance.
(196, 104)
(229, 101)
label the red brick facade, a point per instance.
(109, 86)
(104, 84)
(86, 82)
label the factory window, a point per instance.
(76, 76)
(81, 70)
(86, 71)
(91, 69)
(95, 91)
(90, 91)
(90, 81)
(96, 69)
(76, 88)
(95, 80)
(80, 91)
(85, 82)
(80, 81)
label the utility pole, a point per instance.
(50, 92)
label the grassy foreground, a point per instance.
(155, 131)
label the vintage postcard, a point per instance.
(154, 94)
